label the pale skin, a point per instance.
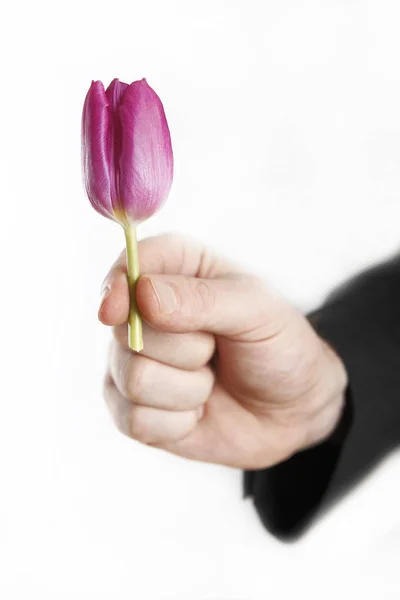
(231, 373)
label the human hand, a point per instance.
(230, 373)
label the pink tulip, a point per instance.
(127, 164)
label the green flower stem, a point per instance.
(135, 335)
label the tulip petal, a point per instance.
(95, 149)
(145, 160)
(114, 94)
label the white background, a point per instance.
(285, 119)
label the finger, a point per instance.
(189, 351)
(119, 406)
(114, 304)
(237, 306)
(167, 253)
(149, 383)
(172, 253)
(231, 435)
(149, 425)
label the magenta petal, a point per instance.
(95, 149)
(146, 160)
(114, 94)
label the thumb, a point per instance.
(239, 306)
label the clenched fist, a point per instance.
(230, 373)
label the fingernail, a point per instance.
(166, 296)
(105, 285)
(105, 292)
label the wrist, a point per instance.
(332, 393)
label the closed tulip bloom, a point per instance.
(126, 150)
(127, 164)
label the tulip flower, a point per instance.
(127, 165)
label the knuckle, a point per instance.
(132, 376)
(173, 237)
(207, 263)
(203, 297)
(120, 262)
(115, 271)
(106, 390)
(120, 333)
(138, 425)
(254, 283)
(117, 406)
(205, 353)
(268, 302)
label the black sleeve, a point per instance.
(361, 321)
